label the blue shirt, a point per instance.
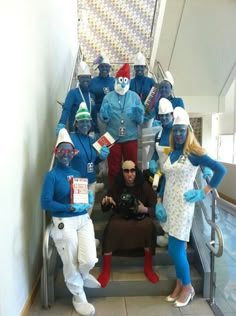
(55, 196)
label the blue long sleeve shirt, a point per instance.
(122, 107)
(99, 87)
(87, 154)
(55, 196)
(72, 103)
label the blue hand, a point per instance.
(59, 127)
(90, 197)
(207, 172)
(79, 208)
(160, 212)
(105, 151)
(194, 195)
(156, 123)
(153, 166)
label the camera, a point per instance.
(128, 207)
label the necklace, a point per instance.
(84, 98)
(122, 107)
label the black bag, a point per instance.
(128, 207)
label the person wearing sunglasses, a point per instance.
(72, 229)
(129, 233)
(177, 197)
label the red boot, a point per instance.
(150, 274)
(104, 277)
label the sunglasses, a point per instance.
(129, 170)
(62, 152)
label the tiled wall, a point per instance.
(116, 28)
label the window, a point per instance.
(226, 148)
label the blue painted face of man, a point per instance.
(84, 80)
(84, 126)
(165, 89)
(180, 133)
(104, 70)
(139, 70)
(165, 118)
(64, 153)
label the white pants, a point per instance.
(91, 187)
(75, 243)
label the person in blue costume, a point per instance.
(166, 91)
(87, 159)
(122, 111)
(177, 197)
(142, 85)
(72, 229)
(75, 97)
(162, 149)
(101, 84)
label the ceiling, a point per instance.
(197, 43)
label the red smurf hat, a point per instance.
(124, 71)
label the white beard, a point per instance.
(120, 90)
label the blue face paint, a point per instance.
(104, 70)
(180, 133)
(165, 118)
(84, 126)
(84, 81)
(165, 89)
(139, 70)
(64, 153)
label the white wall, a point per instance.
(39, 45)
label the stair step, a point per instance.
(131, 281)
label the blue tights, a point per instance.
(177, 251)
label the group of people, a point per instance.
(117, 105)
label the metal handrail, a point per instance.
(46, 229)
(211, 244)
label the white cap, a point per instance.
(101, 59)
(168, 77)
(64, 137)
(139, 59)
(180, 116)
(83, 69)
(165, 106)
(105, 60)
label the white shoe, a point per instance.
(162, 241)
(91, 282)
(99, 187)
(81, 305)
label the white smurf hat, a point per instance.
(168, 77)
(83, 69)
(64, 137)
(181, 116)
(139, 59)
(165, 106)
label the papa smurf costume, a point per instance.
(165, 91)
(142, 85)
(75, 97)
(87, 159)
(72, 230)
(122, 111)
(180, 170)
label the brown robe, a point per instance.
(122, 235)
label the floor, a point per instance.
(126, 306)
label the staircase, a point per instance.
(127, 277)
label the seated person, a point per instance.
(131, 226)
(72, 231)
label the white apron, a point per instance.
(179, 178)
(163, 152)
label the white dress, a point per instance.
(179, 178)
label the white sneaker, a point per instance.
(99, 187)
(91, 282)
(162, 241)
(81, 305)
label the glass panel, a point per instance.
(226, 148)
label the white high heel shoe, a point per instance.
(171, 299)
(189, 298)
